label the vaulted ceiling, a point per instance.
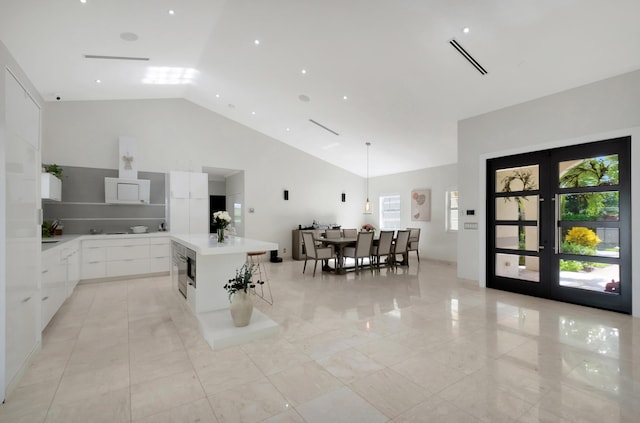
(376, 71)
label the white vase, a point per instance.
(241, 308)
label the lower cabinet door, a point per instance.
(93, 270)
(128, 267)
(159, 264)
(52, 299)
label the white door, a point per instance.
(22, 172)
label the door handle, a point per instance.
(556, 216)
(26, 299)
(45, 298)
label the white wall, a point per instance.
(435, 242)
(605, 109)
(176, 134)
(217, 187)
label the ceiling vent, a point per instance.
(467, 56)
(95, 56)
(323, 127)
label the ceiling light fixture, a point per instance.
(253, 113)
(465, 29)
(83, 1)
(344, 97)
(172, 12)
(256, 42)
(98, 81)
(367, 204)
(303, 71)
(288, 129)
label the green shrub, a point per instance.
(571, 265)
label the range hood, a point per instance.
(127, 188)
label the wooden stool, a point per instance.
(254, 257)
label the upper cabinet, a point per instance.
(51, 187)
(23, 115)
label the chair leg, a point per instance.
(418, 255)
(305, 265)
(314, 267)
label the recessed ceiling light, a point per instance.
(98, 81)
(217, 95)
(288, 129)
(344, 97)
(253, 113)
(172, 12)
(466, 29)
(83, 1)
(303, 71)
(256, 42)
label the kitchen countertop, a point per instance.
(63, 239)
(208, 244)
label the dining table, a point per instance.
(339, 244)
(342, 242)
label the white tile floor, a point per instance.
(415, 345)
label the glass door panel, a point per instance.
(569, 232)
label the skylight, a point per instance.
(164, 75)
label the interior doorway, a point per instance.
(559, 224)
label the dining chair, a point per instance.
(383, 249)
(414, 241)
(400, 247)
(332, 233)
(361, 250)
(350, 233)
(315, 252)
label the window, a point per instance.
(390, 212)
(452, 211)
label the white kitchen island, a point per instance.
(215, 265)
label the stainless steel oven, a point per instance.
(191, 267)
(180, 267)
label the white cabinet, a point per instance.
(189, 203)
(54, 284)
(50, 187)
(71, 255)
(20, 167)
(104, 258)
(159, 255)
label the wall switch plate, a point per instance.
(471, 225)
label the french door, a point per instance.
(559, 224)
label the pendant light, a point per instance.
(367, 204)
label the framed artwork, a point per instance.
(421, 205)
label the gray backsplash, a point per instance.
(83, 208)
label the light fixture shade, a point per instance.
(367, 207)
(367, 204)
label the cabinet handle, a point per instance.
(94, 262)
(26, 299)
(45, 271)
(45, 298)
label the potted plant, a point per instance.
(221, 220)
(368, 227)
(53, 169)
(238, 289)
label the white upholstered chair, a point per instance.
(400, 247)
(350, 233)
(383, 249)
(315, 252)
(362, 249)
(414, 241)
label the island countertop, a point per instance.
(207, 244)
